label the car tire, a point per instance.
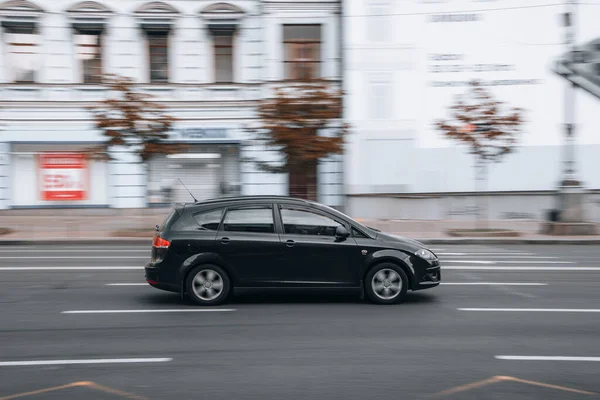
(208, 285)
(386, 283)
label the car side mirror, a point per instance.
(341, 233)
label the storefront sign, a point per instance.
(63, 176)
(200, 133)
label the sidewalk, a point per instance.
(102, 224)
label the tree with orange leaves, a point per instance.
(301, 120)
(131, 119)
(482, 123)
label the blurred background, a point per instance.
(212, 67)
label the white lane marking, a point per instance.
(114, 245)
(106, 250)
(468, 261)
(495, 283)
(547, 358)
(164, 310)
(498, 268)
(507, 257)
(72, 257)
(484, 254)
(555, 310)
(505, 262)
(127, 284)
(99, 268)
(432, 249)
(89, 361)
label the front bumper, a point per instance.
(428, 277)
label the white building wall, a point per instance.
(4, 175)
(53, 109)
(392, 100)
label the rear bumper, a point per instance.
(152, 274)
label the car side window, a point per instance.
(209, 221)
(201, 221)
(302, 222)
(256, 220)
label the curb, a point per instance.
(491, 241)
(78, 241)
(434, 241)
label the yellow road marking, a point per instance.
(51, 389)
(498, 378)
(549, 386)
(91, 385)
(466, 387)
(120, 393)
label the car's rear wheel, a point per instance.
(208, 285)
(386, 283)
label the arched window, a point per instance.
(223, 20)
(21, 33)
(156, 19)
(88, 19)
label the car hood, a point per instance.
(402, 242)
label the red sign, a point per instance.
(63, 176)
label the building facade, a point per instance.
(208, 61)
(405, 61)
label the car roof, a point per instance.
(247, 199)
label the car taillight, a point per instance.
(160, 243)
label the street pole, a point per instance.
(570, 196)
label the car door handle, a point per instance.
(290, 243)
(225, 240)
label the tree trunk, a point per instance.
(302, 180)
(481, 196)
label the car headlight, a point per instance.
(426, 255)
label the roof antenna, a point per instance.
(188, 190)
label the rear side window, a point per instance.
(201, 221)
(209, 221)
(256, 220)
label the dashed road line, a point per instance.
(509, 268)
(82, 361)
(547, 358)
(505, 262)
(128, 284)
(551, 310)
(494, 283)
(158, 310)
(79, 268)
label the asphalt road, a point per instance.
(449, 342)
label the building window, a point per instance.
(158, 44)
(223, 58)
(302, 51)
(23, 59)
(378, 20)
(89, 55)
(380, 100)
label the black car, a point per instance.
(205, 249)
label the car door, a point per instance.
(248, 243)
(313, 255)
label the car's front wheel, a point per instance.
(386, 283)
(208, 285)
